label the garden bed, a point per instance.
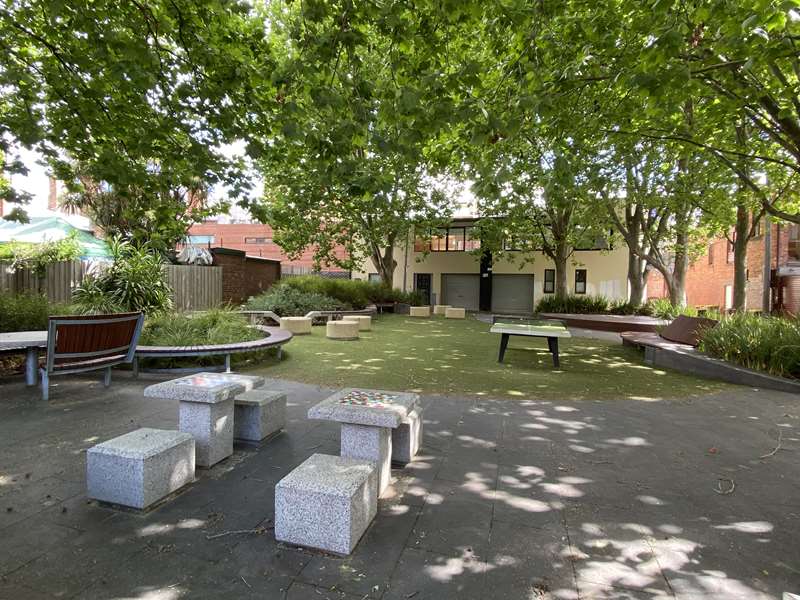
(274, 338)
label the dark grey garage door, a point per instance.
(461, 290)
(512, 293)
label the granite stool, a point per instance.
(258, 414)
(455, 313)
(407, 438)
(326, 503)
(342, 330)
(140, 468)
(440, 309)
(419, 311)
(297, 325)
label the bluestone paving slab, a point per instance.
(304, 591)
(525, 561)
(424, 575)
(374, 560)
(619, 473)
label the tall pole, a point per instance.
(766, 292)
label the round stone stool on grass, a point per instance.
(454, 313)
(297, 325)
(364, 321)
(440, 309)
(419, 311)
(342, 330)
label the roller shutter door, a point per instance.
(461, 290)
(512, 294)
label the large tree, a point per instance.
(142, 94)
(344, 159)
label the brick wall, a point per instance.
(244, 276)
(235, 236)
(706, 281)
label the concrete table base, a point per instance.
(407, 438)
(327, 503)
(370, 443)
(140, 468)
(211, 425)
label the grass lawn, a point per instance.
(453, 357)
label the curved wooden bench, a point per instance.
(275, 338)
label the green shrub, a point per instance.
(23, 312)
(216, 326)
(352, 292)
(289, 301)
(575, 304)
(134, 281)
(28, 312)
(662, 308)
(770, 344)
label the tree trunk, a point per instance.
(385, 263)
(740, 258)
(677, 288)
(560, 260)
(637, 279)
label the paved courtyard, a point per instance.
(507, 499)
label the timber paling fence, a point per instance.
(194, 288)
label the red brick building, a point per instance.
(709, 281)
(255, 239)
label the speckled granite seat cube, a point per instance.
(419, 311)
(364, 321)
(407, 437)
(454, 312)
(140, 468)
(326, 503)
(258, 414)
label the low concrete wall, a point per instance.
(696, 363)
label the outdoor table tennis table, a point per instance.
(552, 330)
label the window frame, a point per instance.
(584, 281)
(551, 289)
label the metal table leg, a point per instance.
(503, 346)
(31, 365)
(552, 343)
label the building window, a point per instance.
(757, 231)
(257, 240)
(374, 277)
(472, 239)
(201, 239)
(730, 252)
(711, 254)
(451, 239)
(794, 242)
(580, 281)
(549, 281)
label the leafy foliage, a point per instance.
(143, 95)
(134, 281)
(352, 292)
(663, 308)
(36, 257)
(286, 301)
(575, 304)
(217, 326)
(770, 344)
(24, 312)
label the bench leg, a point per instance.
(503, 346)
(280, 353)
(45, 386)
(552, 343)
(107, 377)
(227, 363)
(135, 367)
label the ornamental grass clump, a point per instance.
(216, 326)
(770, 344)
